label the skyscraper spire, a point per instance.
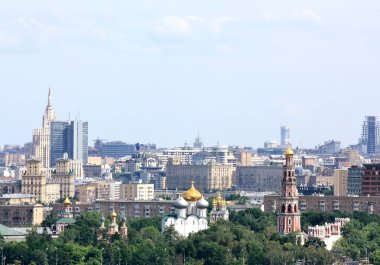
(49, 98)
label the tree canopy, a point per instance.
(249, 237)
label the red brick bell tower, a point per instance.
(289, 216)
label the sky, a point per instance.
(163, 71)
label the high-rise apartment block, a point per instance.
(285, 136)
(41, 136)
(78, 147)
(354, 180)
(370, 134)
(371, 180)
(340, 182)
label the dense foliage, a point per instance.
(248, 238)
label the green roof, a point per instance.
(65, 220)
(6, 231)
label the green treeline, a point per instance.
(248, 238)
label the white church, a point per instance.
(191, 212)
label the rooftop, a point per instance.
(17, 196)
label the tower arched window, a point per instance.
(283, 208)
(295, 208)
(290, 208)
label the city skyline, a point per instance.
(161, 73)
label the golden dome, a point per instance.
(113, 214)
(219, 197)
(67, 201)
(192, 194)
(288, 151)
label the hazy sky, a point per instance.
(162, 71)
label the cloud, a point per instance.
(304, 15)
(308, 14)
(174, 26)
(190, 26)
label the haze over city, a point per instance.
(162, 71)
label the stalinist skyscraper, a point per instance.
(41, 136)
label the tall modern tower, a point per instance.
(370, 134)
(41, 136)
(78, 141)
(285, 136)
(59, 134)
(69, 137)
(289, 215)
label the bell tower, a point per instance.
(289, 215)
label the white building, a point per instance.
(190, 213)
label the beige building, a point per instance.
(64, 177)
(52, 192)
(137, 191)
(309, 161)
(136, 209)
(13, 159)
(324, 180)
(100, 190)
(76, 169)
(340, 182)
(41, 136)
(103, 190)
(244, 159)
(207, 177)
(21, 215)
(34, 180)
(259, 178)
(94, 160)
(86, 193)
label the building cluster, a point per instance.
(141, 180)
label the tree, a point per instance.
(318, 256)
(49, 220)
(211, 253)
